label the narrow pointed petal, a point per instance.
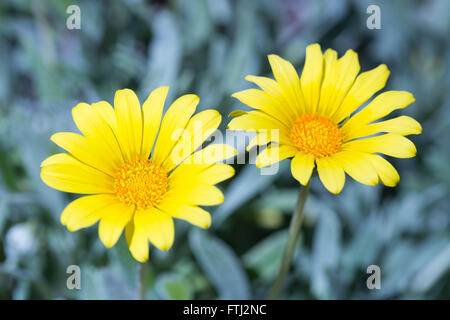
(311, 79)
(129, 123)
(288, 79)
(157, 225)
(114, 220)
(358, 166)
(390, 144)
(65, 173)
(386, 171)
(273, 154)
(380, 106)
(302, 166)
(331, 174)
(173, 125)
(199, 128)
(152, 111)
(339, 82)
(402, 125)
(85, 211)
(137, 241)
(365, 86)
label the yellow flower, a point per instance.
(318, 123)
(139, 179)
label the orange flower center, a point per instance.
(316, 135)
(140, 183)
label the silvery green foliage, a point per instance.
(207, 47)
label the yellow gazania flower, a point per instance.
(317, 124)
(139, 179)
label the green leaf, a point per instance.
(104, 283)
(220, 264)
(265, 257)
(325, 257)
(174, 287)
(165, 53)
(433, 270)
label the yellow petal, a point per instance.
(98, 132)
(261, 100)
(210, 154)
(365, 86)
(65, 173)
(205, 195)
(181, 180)
(302, 166)
(188, 176)
(358, 166)
(256, 121)
(157, 225)
(192, 214)
(311, 79)
(194, 185)
(198, 129)
(288, 79)
(129, 123)
(268, 85)
(106, 111)
(216, 173)
(402, 125)
(86, 151)
(189, 187)
(261, 139)
(329, 71)
(129, 230)
(274, 90)
(339, 82)
(86, 211)
(331, 174)
(137, 241)
(386, 172)
(273, 154)
(390, 144)
(152, 110)
(382, 105)
(173, 125)
(115, 218)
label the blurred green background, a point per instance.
(207, 47)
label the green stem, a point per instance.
(142, 281)
(294, 231)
